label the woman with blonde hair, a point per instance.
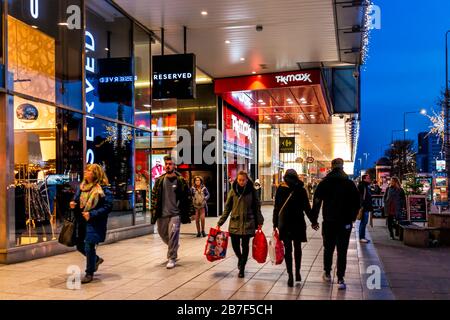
(394, 203)
(92, 204)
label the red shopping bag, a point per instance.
(259, 246)
(216, 244)
(276, 249)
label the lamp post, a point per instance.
(422, 111)
(392, 135)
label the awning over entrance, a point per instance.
(286, 97)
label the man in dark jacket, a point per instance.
(366, 205)
(171, 206)
(340, 199)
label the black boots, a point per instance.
(298, 277)
(290, 280)
(241, 266)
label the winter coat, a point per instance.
(245, 210)
(365, 196)
(203, 191)
(339, 196)
(94, 230)
(291, 222)
(394, 202)
(184, 199)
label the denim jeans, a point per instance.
(363, 224)
(88, 249)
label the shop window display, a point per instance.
(142, 177)
(112, 147)
(44, 56)
(47, 168)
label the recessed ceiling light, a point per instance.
(227, 41)
(263, 103)
(254, 72)
(290, 102)
(260, 101)
(288, 99)
(313, 116)
(204, 13)
(242, 59)
(63, 24)
(34, 27)
(106, 49)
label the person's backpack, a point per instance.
(199, 198)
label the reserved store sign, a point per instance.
(174, 76)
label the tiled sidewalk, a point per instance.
(135, 269)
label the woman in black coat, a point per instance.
(291, 203)
(92, 204)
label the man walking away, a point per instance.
(366, 205)
(171, 206)
(340, 199)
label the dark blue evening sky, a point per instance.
(405, 71)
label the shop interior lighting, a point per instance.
(227, 41)
(204, 13)
(34, 27)
(253, 72)
(64, 24)
(242, 59)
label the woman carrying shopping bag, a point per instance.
(92, 204)
(244, 208)
(291, 203)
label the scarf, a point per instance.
(90, 195)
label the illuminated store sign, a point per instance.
(241, 128)
(115, 80)
(90, 102)
(299, 77)
(174, 76)
(34, 8)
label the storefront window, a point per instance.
(112, 148)
(142, 177)
(44, 54)
(109, 67)
(47, 167)
(142, 91)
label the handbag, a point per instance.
(259, 246)
(216, 244)
(361, 210)
(67, 236)
(276, 249)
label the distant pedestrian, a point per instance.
(394, 204)
(244, 208)
(258, 189)
(340, 199)
(366, 206)
(291, 205)
(200, 196)
(92, 204)
(171, 206)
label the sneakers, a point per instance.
(171, 264)
(203, 234)
(364, 240)
(199, 234)
(98, 263)
(326, 277)
(87, 278)
(341, 284)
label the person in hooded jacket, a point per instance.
(291, 204)
(341, 203)
(244, 207)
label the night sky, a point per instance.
(405, 71)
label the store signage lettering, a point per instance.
(34, 8)
(305, 77)
(172, 76)
(90, 105)
(117, 79)
(241, 128)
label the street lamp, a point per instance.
(405, 130)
